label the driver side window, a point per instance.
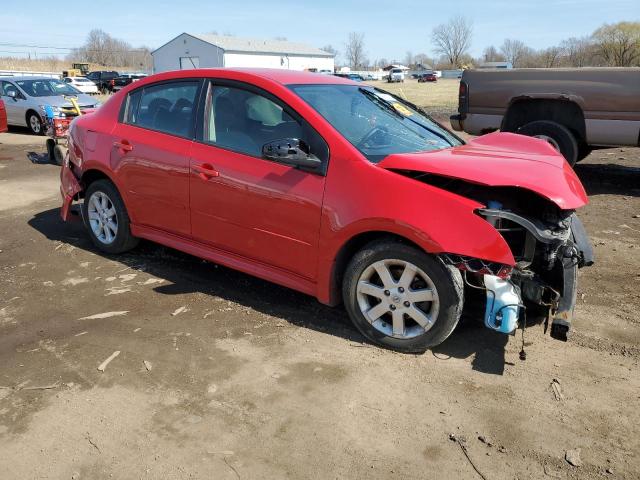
(243, 121)
(6, 87)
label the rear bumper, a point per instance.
(456, 121)
(475, 123)
(69, 189)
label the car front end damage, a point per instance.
(547, 253)
(529, 194)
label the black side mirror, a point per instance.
(291, 151)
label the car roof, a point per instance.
(282, 76)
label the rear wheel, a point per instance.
(401, 298)
(106, 218)
(558, 136)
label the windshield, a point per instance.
(47, 88)
(377, 123)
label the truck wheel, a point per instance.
(401, 298)
(583, 152)
(558, 136)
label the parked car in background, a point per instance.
(326, 72)
(396, 75)
(125, 79)
(574, 110)
(25, 99)
(427, 77)
(3, 117)
(102, 79)
(336, 189)
(351, 76)
(82, 83)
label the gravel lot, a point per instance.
(224, 376)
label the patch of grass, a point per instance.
(438, 99)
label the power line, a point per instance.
(19, 45)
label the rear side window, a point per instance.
(166, 107)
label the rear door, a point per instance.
(150, 152)
(243, 203)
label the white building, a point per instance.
(188, 51)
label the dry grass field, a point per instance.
(439, 99)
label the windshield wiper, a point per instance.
(380, 102)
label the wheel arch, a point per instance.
(346, 252)
(563, 110)
(94, 174)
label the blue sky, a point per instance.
(390, 27)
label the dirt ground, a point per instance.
(223, 376)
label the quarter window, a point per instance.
(167, 107)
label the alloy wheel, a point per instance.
(34, 124)
(397, 298)
(102, 217)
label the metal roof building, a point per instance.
(188, 51)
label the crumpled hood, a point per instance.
(501, 160)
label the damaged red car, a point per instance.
(336, 189)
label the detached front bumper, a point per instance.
(69, 189)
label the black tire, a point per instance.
(123, 240)
(34, 122)
(583, 151)
(565, 141)
(446, 280)
(59, 152)
(51, 145)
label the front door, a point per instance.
(150, 152)
(248, 205)
(16, 111)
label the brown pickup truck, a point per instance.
(573, 109)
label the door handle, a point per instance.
(205, 171)
(123, 145)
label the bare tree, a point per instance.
(453, 39)
(549, 57)
(515, 51)
(354, 50)
(577, 52)
(491, 54)
(408, 58)
(331, 50)
(424, 60)
(102, 49)
(619, 44)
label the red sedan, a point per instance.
(336, 189)
(427, 77)
(3, 117)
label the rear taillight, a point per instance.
(113, 83)
(463, 97)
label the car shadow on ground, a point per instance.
(39, 158)
(609, 178)
(184, 274)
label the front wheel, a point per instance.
(106, 218)
(401, 298)
(34, 122)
